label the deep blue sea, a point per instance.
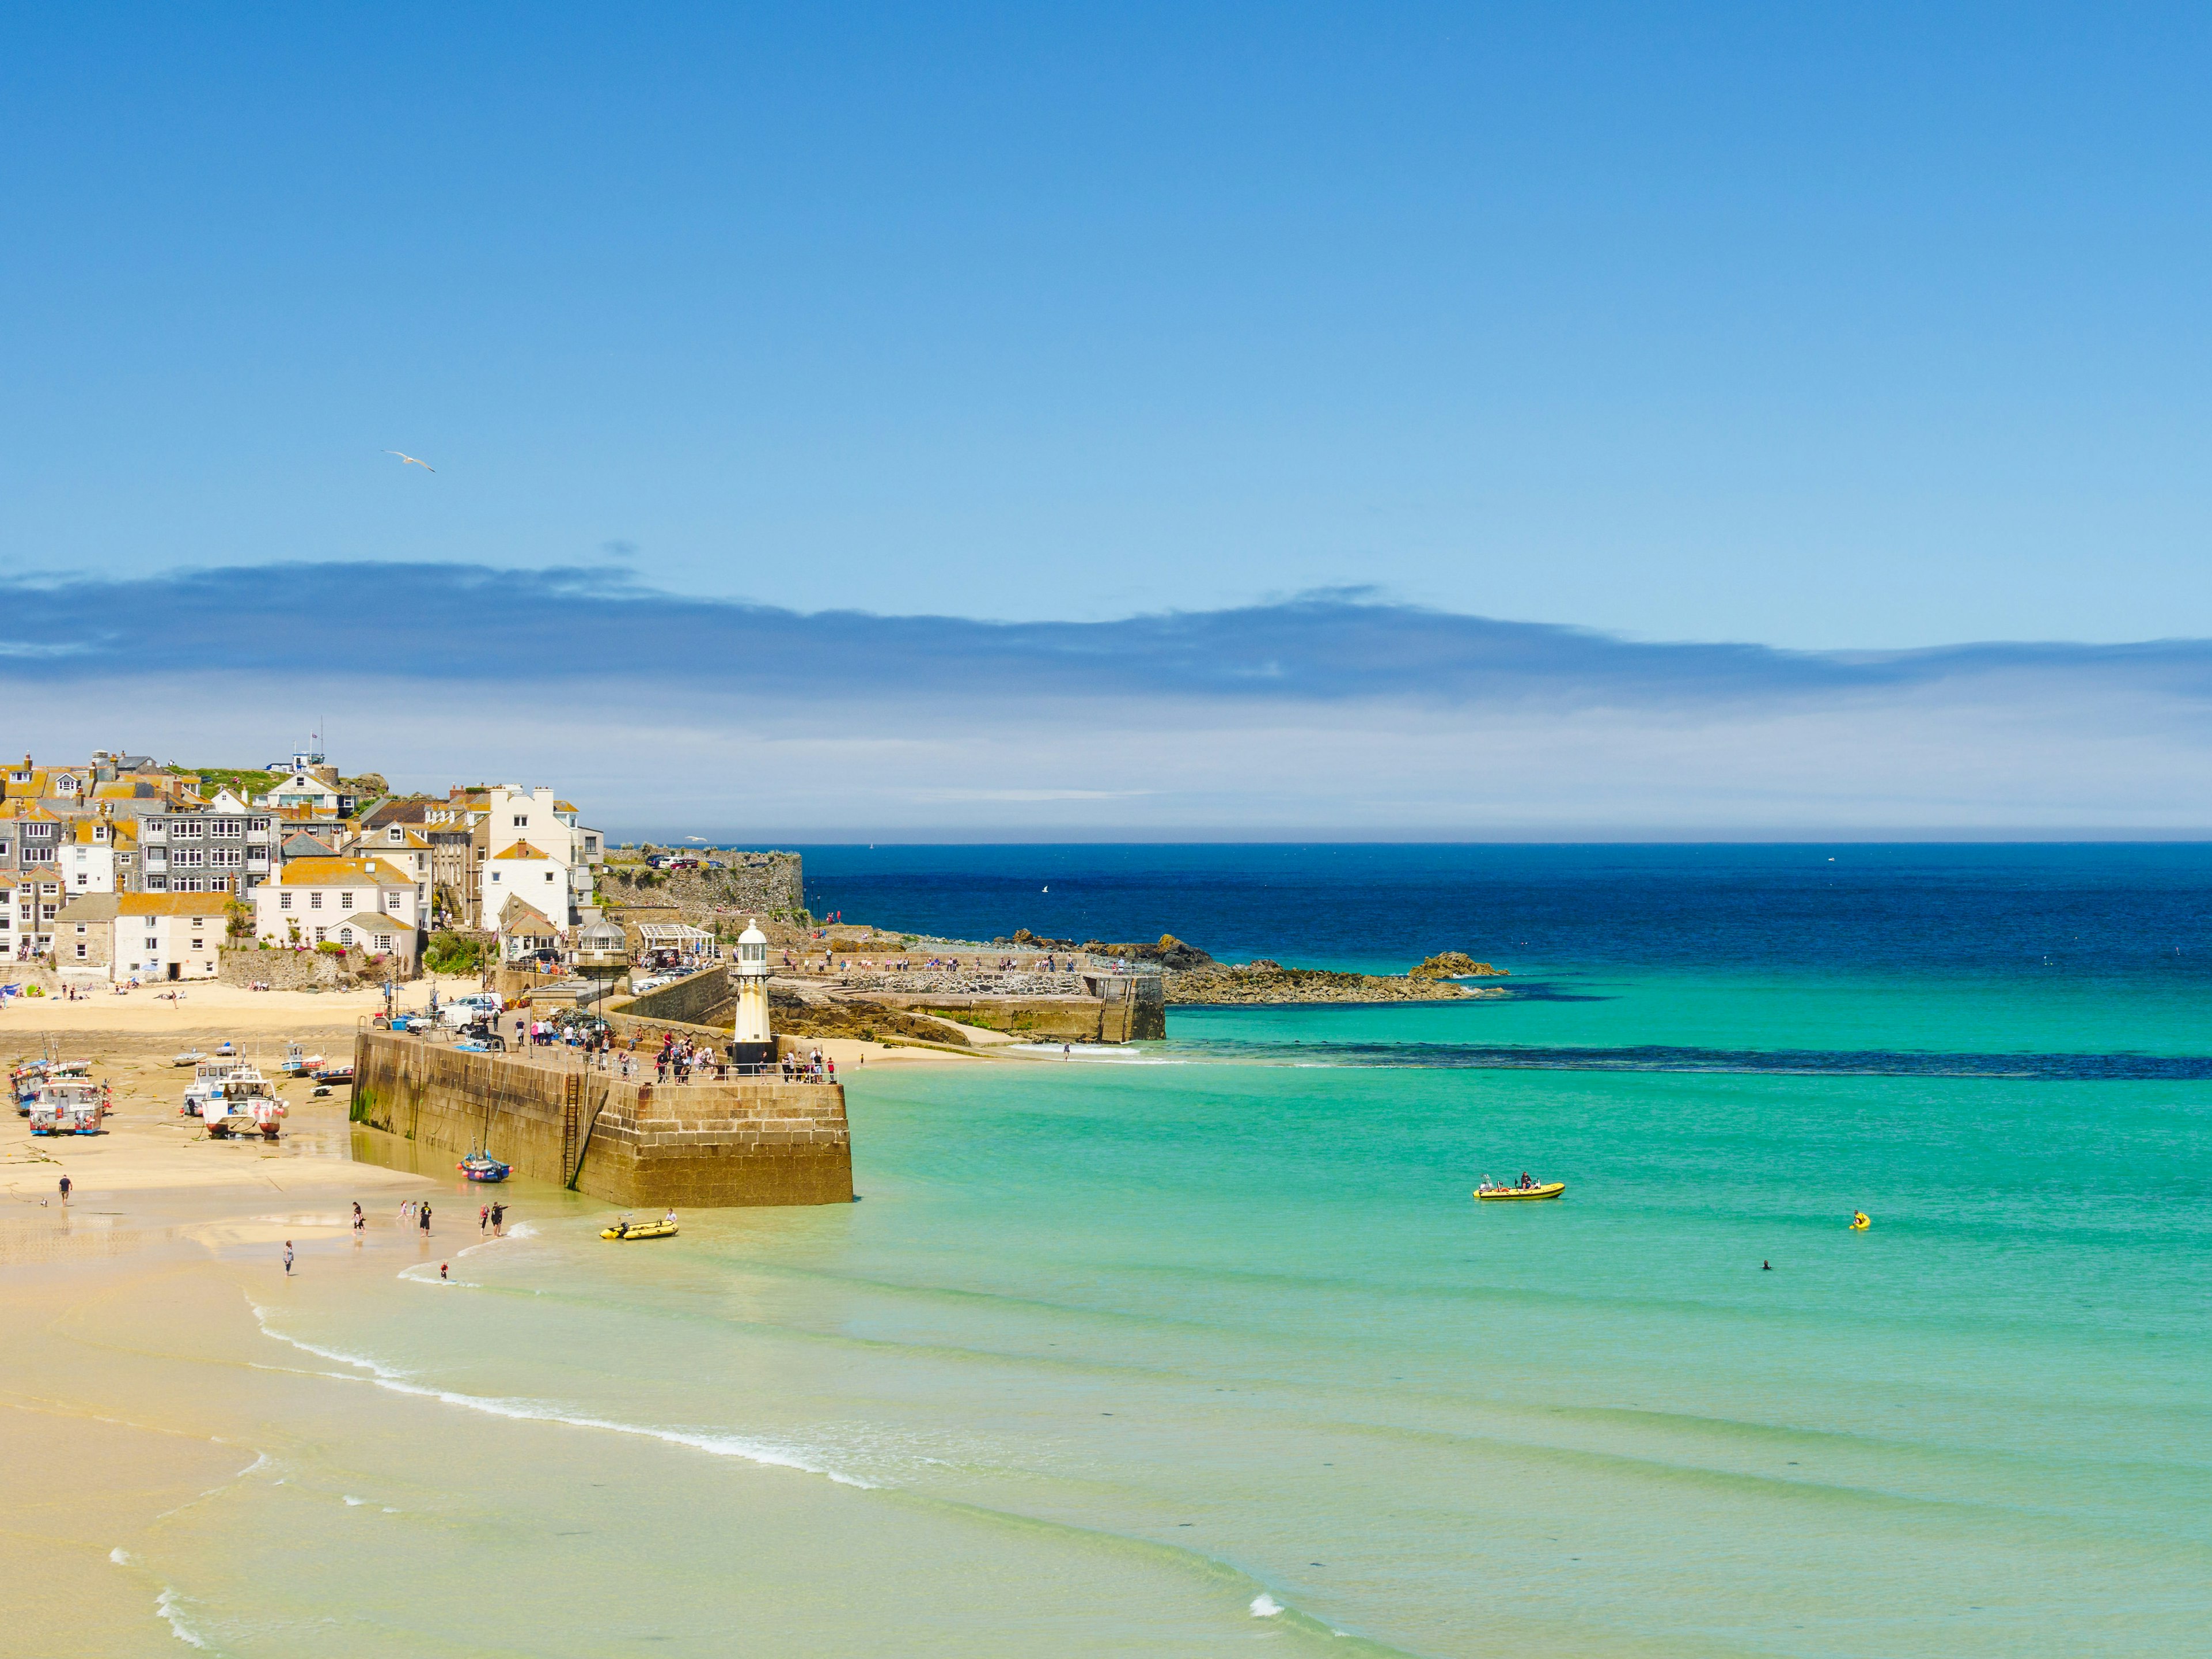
(2140, 912)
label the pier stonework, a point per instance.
(699, 1145)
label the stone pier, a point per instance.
(699, 1145)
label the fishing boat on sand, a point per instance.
(1490, 1194)
(189, 1057)
(243, 1104)
(208, 1079)
(483, 1166)
(69, 1106)
(27, 1078)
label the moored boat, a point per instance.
(244, 1105)
(1538, 1189)
(189, 1057)
(208, 1079)
(483, 1166)
(69, 1106)
(27, 1079)
(626, 1228)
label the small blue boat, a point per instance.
(483, 1166)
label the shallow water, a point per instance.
(1122, 1357)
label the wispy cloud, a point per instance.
(464, 623)
(1327, 711)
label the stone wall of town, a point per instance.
(643, 1146)
(304, 971)
(770, 886)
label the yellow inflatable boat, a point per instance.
(630, 1230)
(1543, 1189)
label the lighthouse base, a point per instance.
(752, 1058)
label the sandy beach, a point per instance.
(160, 1218)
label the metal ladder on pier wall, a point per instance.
(572, 1095)
(576, 1125)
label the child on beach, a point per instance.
(288, 1258)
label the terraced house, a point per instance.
(147, 937)
(223, 846)
(362, 903)
(31, 839)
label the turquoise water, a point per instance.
(1207, 1346)
(1112, 1351)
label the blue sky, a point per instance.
(1871, 330)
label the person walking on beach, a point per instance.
(483, 1217)
(65, 1190)
(288, 1258)
(422, 1219)
(498, 1220)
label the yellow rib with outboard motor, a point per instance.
(627, 1231)
(1542, 1189)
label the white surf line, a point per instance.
(165, 1604)
(536, 1411)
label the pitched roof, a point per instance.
(172, 904)
(394, 809)
(92, 907)
(305, 846)
(28, 811)
(337, 873)
(522, 849)
(524, 920)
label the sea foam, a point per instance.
(165, 1604)
(537, 1410)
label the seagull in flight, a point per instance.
(411, 461)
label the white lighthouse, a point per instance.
(751, 1042)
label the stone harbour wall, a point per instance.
(707, 1145)
(706, 998)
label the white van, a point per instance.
(478, 1005)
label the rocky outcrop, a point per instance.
(791, 1015)
(1456, 964)
(1264, 982)
(1170, 953)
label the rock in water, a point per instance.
(1456, 964)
